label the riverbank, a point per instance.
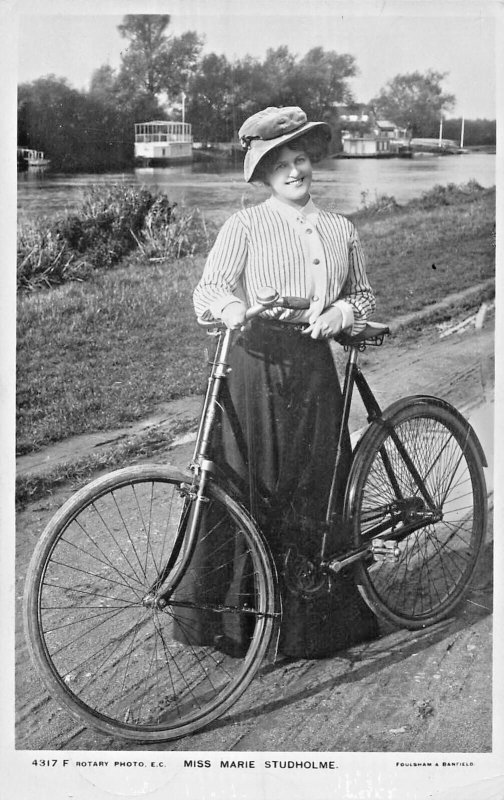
(216, 189)
(97, 356)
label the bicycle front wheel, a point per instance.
(122, 665)
(417, 495)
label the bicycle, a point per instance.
(109, 619)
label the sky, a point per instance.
(72, 38)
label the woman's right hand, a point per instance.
(233, 315)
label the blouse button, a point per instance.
(309, 230)
(316, 260)
(315, 298)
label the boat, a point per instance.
(160, 143)
(22, 163)
(27, 158)
(438, 147)
(374, 138)
(37, 159)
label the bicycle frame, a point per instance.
(203, 467)
(355, 378)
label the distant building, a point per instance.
(356, 113)
(364, 135)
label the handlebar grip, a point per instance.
(268, 298)
(294, 302)
(254, 311)
(209, 323)
(280, 302)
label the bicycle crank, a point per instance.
(302, 576)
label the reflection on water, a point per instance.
(339, 184)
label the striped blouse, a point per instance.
(303, 252)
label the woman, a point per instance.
(283, 399)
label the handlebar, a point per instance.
(267, 297)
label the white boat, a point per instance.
(159, 142)
(431, 146)
(37, 159)
(32, 158)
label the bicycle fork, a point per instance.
(194, 493)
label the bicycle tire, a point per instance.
(120, 666)
(432, 573)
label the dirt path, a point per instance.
(418, 692)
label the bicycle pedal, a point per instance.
(386, 551)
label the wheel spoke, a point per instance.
(438, 558)
(125, 665)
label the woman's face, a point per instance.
(290, 176)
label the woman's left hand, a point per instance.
(328, 324)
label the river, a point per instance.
(339, 184)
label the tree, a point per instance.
(279, 69)
(116, 108)
(321, 81)
(120, 97)
(103, 83)
(477, 132)
(49, 114)
(414, 101)
(78, 130)
(177, 62)
(154, 63)
(223, 94)
(145, 33)
(315, 82)
(211, 99)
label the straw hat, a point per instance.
(274, 127)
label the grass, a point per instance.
(150, 445)
(96, 355)
(427, 250)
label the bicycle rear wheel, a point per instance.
(438, 544)
(127, 668)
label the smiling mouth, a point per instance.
(298, 181)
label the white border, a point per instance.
(364, 775)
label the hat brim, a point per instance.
(260, 147)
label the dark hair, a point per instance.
(314, 145)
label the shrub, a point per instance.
(451, 194)
(44, 258)
(186, 234)
(111, 222)
(381, 204)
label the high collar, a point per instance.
(293, 212)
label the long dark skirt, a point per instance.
(276, 445)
